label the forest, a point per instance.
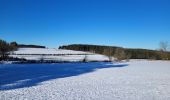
(124, 53)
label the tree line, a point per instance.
(26, 46)
(122, 53)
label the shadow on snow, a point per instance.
(16, 76)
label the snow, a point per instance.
(134, 80)
(95, 57)
(56, 55)
(46, 51)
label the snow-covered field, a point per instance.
(56, 55)
(46, 51)
(135, 80)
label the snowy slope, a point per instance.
(56, 55)
(46, 51)
(139, 80)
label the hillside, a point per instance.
(58, 55)
(135, 53)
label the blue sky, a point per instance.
(126, 23)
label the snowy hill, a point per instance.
(56, 55)
(49, 51)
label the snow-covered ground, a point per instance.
(46, 51)
(56, 55)
(135, 80)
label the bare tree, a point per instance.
(42, 58)
(164, 45)
(128, 56)
(85, 58)
(120, 54)
(4, 49)
(108, 52)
